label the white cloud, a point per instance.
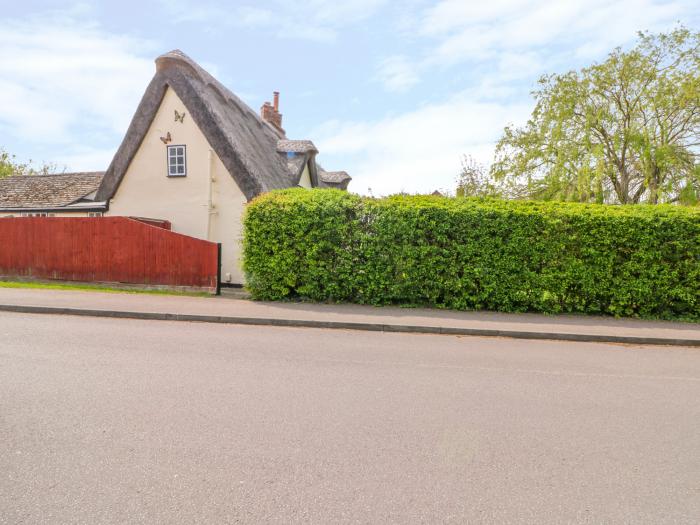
(85, 158)
(334, 12)
(64, 83)
(549, 35)
(317, 20)
(467, 31)
(421, 150)
(255, 16)
(397, 73)
(448, 15)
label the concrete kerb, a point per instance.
(344, 325)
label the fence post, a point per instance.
(218, 270)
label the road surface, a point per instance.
(125, 421)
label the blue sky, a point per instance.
(394, 92)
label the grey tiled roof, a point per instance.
(47, 191)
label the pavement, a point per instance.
(344, 316)
(129, 421)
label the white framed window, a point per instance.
(177, 161)
(36, 214)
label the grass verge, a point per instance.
(96, 288)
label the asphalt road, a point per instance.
(122, 421)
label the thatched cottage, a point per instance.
(194, 154)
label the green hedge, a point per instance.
(465, 254)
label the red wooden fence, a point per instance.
(105, 250)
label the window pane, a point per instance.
(176, 161)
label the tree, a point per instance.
(474, 180)
(10, 166)
(625, 131)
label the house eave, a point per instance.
(82, 206)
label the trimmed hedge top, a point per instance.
(512, 256)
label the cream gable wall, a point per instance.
(147, 191)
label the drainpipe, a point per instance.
(210, 202)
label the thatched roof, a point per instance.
(333, 179)
(296, 164)
(245, 143)
(299, 152)
(296, 146)
(30, 192)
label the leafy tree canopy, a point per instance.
(626, 130)
(10, 166)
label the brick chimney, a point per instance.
(271, 112)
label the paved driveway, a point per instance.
(114, 421)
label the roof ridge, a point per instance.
(296, 146)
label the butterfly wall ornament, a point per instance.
(179, 116)
(167, 138)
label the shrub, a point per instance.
(328, 245)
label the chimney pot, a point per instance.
(270, 112)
